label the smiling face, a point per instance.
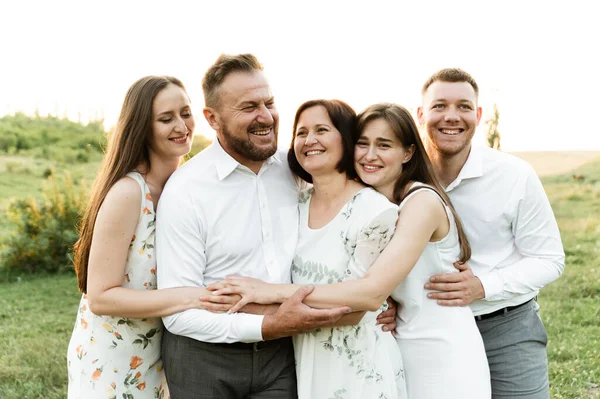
(450, 116)
(317, 142)
(379, 156)
(245, 119)
(172, 123)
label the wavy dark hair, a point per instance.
(127, 149)
(419, 167)
(343, 118)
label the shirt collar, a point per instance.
(226, 164)
(472, 168)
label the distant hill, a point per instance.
(557, 162)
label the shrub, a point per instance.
(8, 141)
(82, 157)
(44, 229)
(48, 172)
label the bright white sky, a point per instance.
(538, 60)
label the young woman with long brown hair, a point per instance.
(115, 347)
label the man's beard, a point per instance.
(246, 148)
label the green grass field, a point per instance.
(37, 313)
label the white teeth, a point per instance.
(371, 167)
(450, 131)
(315, 152)
(261, 132)
(180, 140)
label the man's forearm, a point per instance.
(207, 326)
(523, 277)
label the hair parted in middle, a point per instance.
(128, 148)
(419, 167)
(222, 67)
(343, 118)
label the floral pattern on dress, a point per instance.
(357, 361)
(117, 357)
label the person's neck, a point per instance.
(161, 170)
(447, 167)
(331, 187)
(390, 188)
(388, 191)
(254, 166)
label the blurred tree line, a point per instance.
(51, 138)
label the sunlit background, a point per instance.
(537, 60)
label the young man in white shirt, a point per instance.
(232, 209)
(512, 230)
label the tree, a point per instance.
(493, 135)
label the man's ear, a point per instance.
(212, 117)
(420, 116)
(478, 115)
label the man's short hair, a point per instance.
(451, 75)
(223, 66)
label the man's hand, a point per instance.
(294, 317)
(457, 289)
(388, 318)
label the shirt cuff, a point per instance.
(250, 327)
(492, 285)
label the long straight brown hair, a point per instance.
(419, 167)
(127, 149)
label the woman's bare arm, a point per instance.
(113, 231)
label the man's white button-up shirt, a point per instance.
(515, 241)
(217, 218)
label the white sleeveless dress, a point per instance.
(116, 357)
(441, 347)
(353, 362)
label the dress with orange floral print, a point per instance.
(113, 357)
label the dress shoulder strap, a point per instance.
(415, 188)
(145, 190)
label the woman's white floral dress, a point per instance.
(358, 361)
(116, 357)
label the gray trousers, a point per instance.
(195, 369)
(515, 344)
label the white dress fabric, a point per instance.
(117, 357)
(352, 362)
(441, 347)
